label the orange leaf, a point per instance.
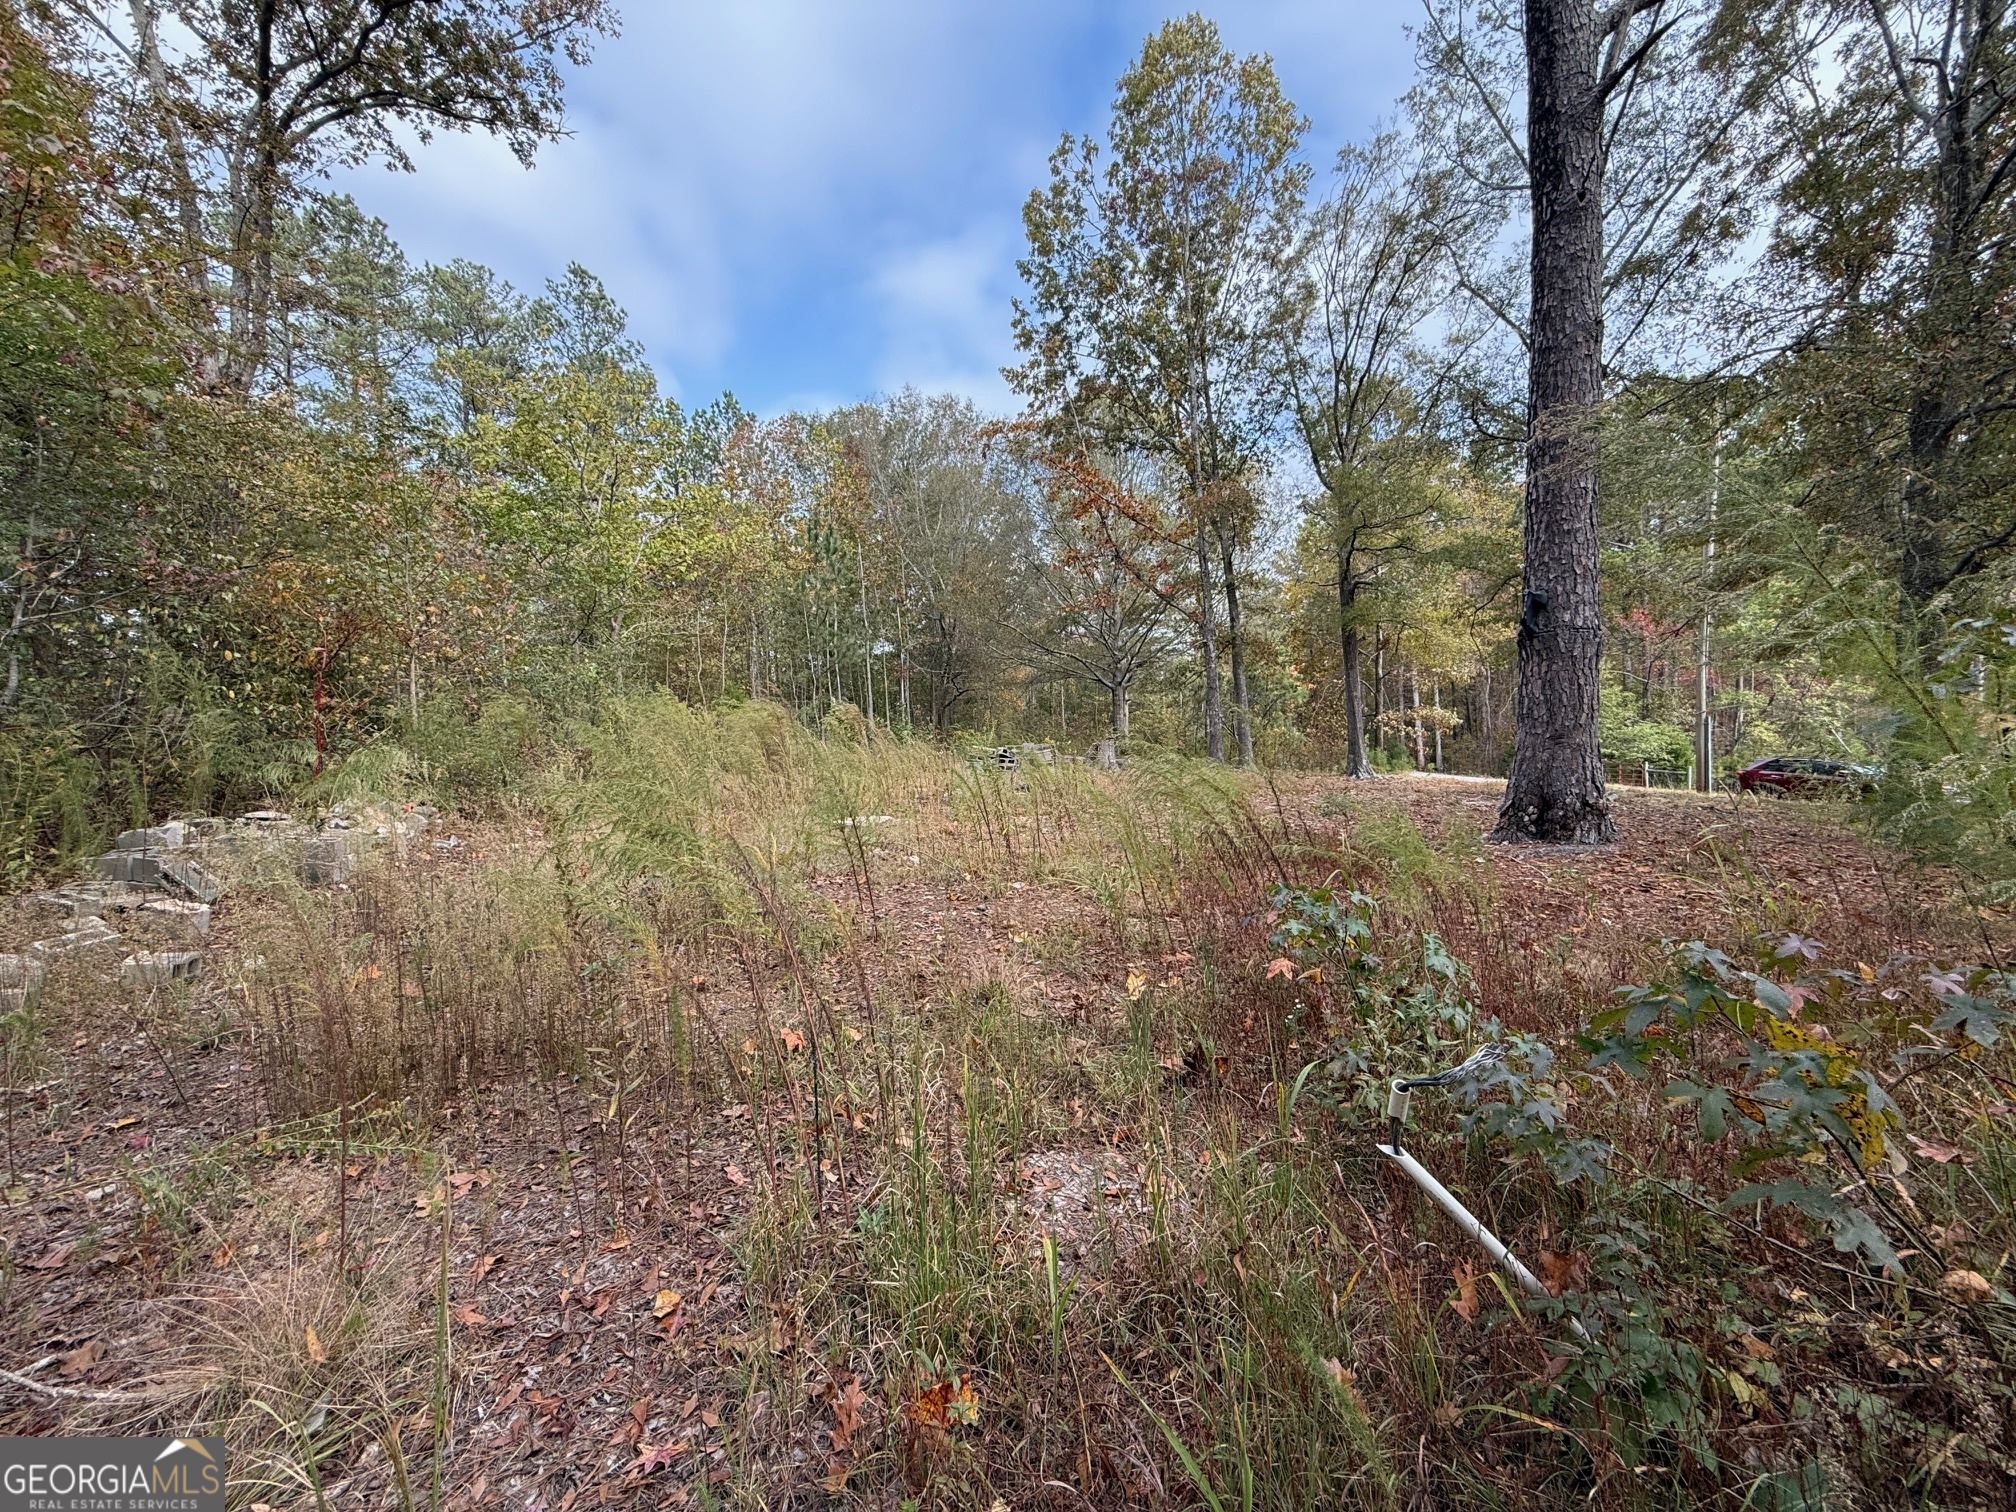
(317, 1350)
(1560, 1273)
(1280, 966)
(1464, 1303)
(928, 1411)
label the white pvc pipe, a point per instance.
(1471, 1225)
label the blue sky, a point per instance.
(811, 201)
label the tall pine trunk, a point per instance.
(1555, 791)
(1207, 648)
(1357, 762)
(1242, 707)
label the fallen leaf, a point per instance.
(317, 1350)
(468, 1317)
(54, 1258)
(483, 1266)
(949, 1404)
(82, 1358)
(1464, 1303)
(734, 1174)
(1279, 966)
(1756, 1348)
(847, 1412)
(928, 1411)
(1560, 1273)
(1939, 1151)
(1137, 983)
(221, 1256)
(667, 1301)
(1966, 1286)
(652, 1457)
(710, 1418)
(834, 1481)
(793, 1040)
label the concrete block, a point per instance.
(135, 867)
(170, 836)
(157, 968)
(83, 900)
(191, 876)
(87, 932)
(329, 860)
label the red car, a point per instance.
(1805, 776)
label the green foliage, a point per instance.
(1625, 735)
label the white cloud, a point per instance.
(800, 196)
(945, 312)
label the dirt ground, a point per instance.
(594, 1291)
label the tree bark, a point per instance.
(1120, 710)
(1357, 762)
(1555, 792)
(1207, 647)
(1242, 708)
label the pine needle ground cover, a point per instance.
(732, 1116)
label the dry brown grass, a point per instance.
(835, 1086)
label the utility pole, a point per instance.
(1704, 718)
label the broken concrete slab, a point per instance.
(80, 900)
(170, 836)
(158, 968)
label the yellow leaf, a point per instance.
(666, 1301)
(962, 1408)
(1137, 983)
(317, 1350)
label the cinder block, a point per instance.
(135, 867)
(328, 860)
(86, 933)
(157, 968)
(188, 874)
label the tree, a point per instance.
(1555, 791)
(1887, 285)
(1371, 268)
(251, 98)
(1594, 87)
(1102, 591)
(1147, 326)
(949, 529)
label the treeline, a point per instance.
(281, 499)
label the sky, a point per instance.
(808, 202)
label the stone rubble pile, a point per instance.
(173, 873)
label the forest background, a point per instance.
(287, 508)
